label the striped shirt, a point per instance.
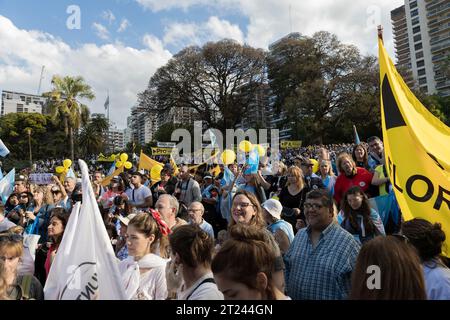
(323, 272)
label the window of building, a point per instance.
(22, 98)
(421, 72)
(419, 54)
(417, 38)
(413, 4)
(414, 12)
(415, 21)
(418, 46)
(420, 63)
(424, 88)
(422, 80)
(416, 29)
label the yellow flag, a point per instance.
(417, 150)
(107, 180)
(174, 166)
(145, 162)
(215, 171)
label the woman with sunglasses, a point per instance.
(15, 286)
(17, 215)
(59, 195)
(11, 203)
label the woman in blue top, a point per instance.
(358, 218)
(327, 175)
(38, 214)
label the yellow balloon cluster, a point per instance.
(123, 162)
(245, 146)
(65, 167)
(228, 156)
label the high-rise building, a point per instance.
(115, 140)
(142, 125)
(16, 102)
(427, 31)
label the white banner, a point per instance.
(85, 267)
(40, 178)
(166, 144)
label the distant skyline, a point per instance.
(117, 45)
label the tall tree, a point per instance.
(321, 84)
(92, 136)
(65, 106)
(216, 81)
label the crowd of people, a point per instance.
(297, 232)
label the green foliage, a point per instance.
(65, 107)
(47, 138)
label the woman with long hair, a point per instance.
(244, 266)
(360, 156)
(428, 239)
(14, 286)
(327, 175)
(143, 271)
(387, 268)
(292, 196)
(38, 214)
(358, 218)
(246, 209)
(55, 231)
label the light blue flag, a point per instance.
(111, 170)
(253, 162)
(228, 177)
(3, 149)
(355, 133)
(212, 137)
(1, 174)
(71, 174)
(7, 185)
(386, 206)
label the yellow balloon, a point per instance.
(128, 165)
(261, 150)
(315, 165)
(59, 169)
(155, 172)
(119, 164)
(123, 157)
(245, 146)
(228, 156)
(67, 163)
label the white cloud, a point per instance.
(108, 16)
(122, 70)
(101, 31)
(183, 34)
(354, 22)
(124, 24)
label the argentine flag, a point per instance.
(7, 185)
(3, 149)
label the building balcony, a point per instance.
(438, 11)
(433, 4)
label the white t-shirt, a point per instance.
(206, 291)
(137, 196)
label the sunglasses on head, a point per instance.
(14, 237)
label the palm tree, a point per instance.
(93, 135)
(64, 105)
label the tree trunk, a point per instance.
(72, 156)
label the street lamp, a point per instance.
(29, 146)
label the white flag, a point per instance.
(3, 149)
(85, 267)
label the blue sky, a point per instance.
(121, 43)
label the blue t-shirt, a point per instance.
(286, 227)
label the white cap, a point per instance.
(274, 207)
(127, 219)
